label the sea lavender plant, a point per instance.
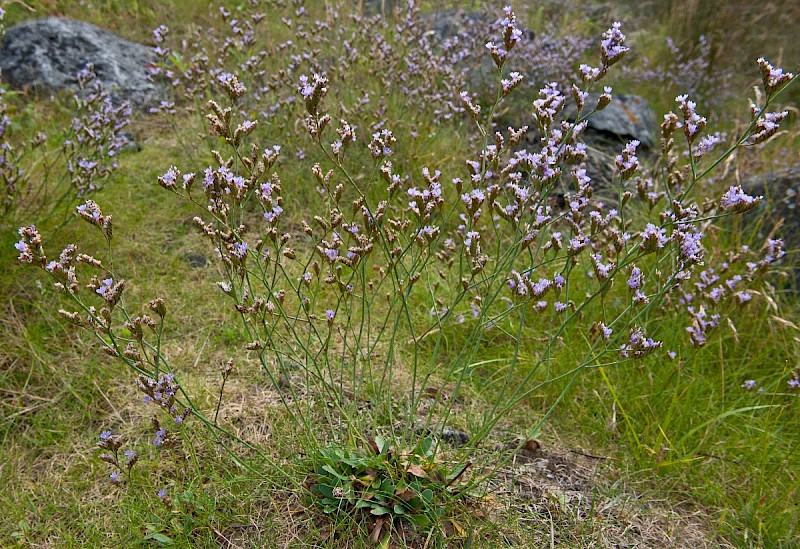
(39, 175)
(345, 294)
(122, 462)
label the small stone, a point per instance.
(196, 260)
(451, 435)
(131, 145)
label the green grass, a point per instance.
(670, 440)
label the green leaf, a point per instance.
(426, 445)
(387, 487)
(380, 442)
(360, 504)
(419, 520)
(398, 509)
(380, 510)
(161, 538)
(334, 472)
(325, 490)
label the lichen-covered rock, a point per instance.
(48, 53)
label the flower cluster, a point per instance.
(765, 124)
(773, 78)
(30, 246)
(163, 393)
(97, 133)
(720, 287)
(639, 345)
(693, 123)
(626, 162)
(612, 51)
(91, 212)
(737, 201)
(111, 444)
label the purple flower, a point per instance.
(766, 125)
(626, 162)
(305, 88)
(749, 384)
(706, 144)
(330, 315)
(693, 123)
(106, 435)
(475, 310)
(635, 280)
(540, 287)
(639, 345)
(602, 271)
(114, 476)
(239, 250)
(161, 435)
(589, 74)
(691, 249)
(731, 284)
(716, 294)
(273, 215)
(611, 47)
(773, 78)
(737, 200)
(170, 177)
(104, 286)
(331, 254)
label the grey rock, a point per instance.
(472, 29)
(452, 436)
(626, 117)
(450, 22)
(781, 204)
(374, 7)
(196, 260)
(131, 145)
(47, 53)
